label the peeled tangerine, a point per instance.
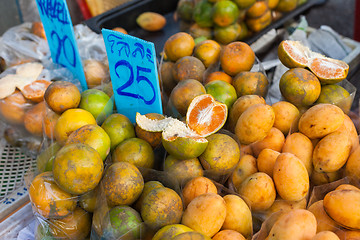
(297, 224)
(294, 54)
(290, 177)
(343, 206)
(255, 123)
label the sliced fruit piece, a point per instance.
(35, 91)
(177, 138)
(205, 115)
(153, 138)
(181, 142)
(293, 54)
(152, 125)
(329, 70)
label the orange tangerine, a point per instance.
(222, 91)
(218, 75)
(242, 4)
(188, 67)
(251, 83)
(225, 13)
(286, 5)
(208, 52)
(272, 3)
(48, 199)
(259, 23)
(300, 87)
(71, 120)
(257, 9)
(237, 57)
(179, 45)
(227, 34)
(184, 92)
(120, 29)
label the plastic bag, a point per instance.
(18, 44)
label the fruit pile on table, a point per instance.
(231, 20)
(220, 163)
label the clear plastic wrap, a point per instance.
(18, 44)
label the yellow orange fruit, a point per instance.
(184, 92)
(251, 83)
(33, 119)
(221, 155)
(119, 128)
(13, 108)
(62, 95)
(239, 106)
(218, 75)
(205, 214)
(136, 151)
(77, 168)
(71, 120)
(161, 207)
(250, 127)
(151, 21)
(244, 168)
(258, 190)
(208, 52)
(48, 199)
(286, 116)
(197, 186)
(92, 135)
(179, 45)
(300, 87)
(290, 177)
(122, 183)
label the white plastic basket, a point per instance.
(13, 166)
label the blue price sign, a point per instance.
(133, 72)
(60, 35)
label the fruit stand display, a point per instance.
(222, 162)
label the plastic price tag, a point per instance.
(133, 72)
(60, 35)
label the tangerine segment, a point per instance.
(329, 70)
(205, 115)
